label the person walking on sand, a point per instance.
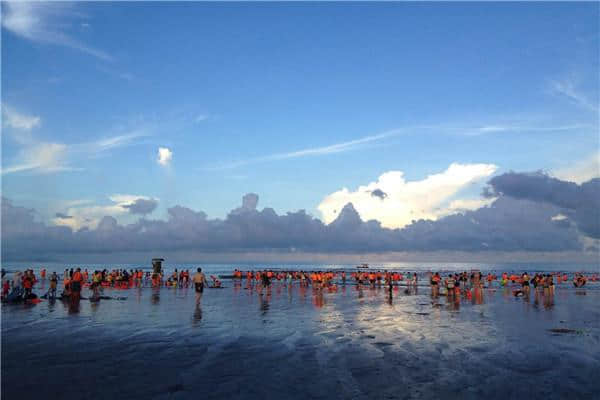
(199, 282)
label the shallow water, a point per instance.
(226, 269)
(293, 342)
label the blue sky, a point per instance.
(290, 101)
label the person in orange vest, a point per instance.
(76, 282)
(27, 284)
(435, 283)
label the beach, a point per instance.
(298, 342)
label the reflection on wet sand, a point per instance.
(368, 340)
(74, 303)
(197, 317)
(155, 298)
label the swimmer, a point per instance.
(199, 282)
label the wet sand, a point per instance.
(302, 343)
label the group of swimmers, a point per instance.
(325, 278)
(454, 284)
(75, 279)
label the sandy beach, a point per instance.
(294, 342)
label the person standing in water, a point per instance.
(199, 282)
(76, 284)
(53, 285)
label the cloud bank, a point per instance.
(141, 206)
(84, 215)
(523, 217)
(396, 202)
(580, 203)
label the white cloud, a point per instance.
(15, 119)
(520, 128)
(47, 157)
(164, 156)
(559, 217)
(113, 142)
(406, 201)
(461, 205)
(569, 89)
(45, 22)
(82, 214)
(314, 151)
(580, 171)
(43, 157)
(466, 129)
(201, 117)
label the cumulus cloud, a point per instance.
(379, 193)
(164, 156)
(83, 215)
(249, 203)
(406, 201)
(63, 216)
(527, 223)
(581, 203)
(142, 206)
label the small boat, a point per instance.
(363, 266)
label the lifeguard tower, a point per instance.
(157, 265)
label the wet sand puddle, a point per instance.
(297, 342)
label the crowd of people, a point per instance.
(439, 285)
(451, 285)
(326, 278)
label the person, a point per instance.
(450, 282)
(525, 283)
(199, 282)
(435, 280)
(27, 284)
(5, 288)
(53, 285)
(579, 280)
(266, 278)
(546, 284)
(550, 280)
(96, 283)
(76, 282)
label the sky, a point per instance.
(407, 111)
